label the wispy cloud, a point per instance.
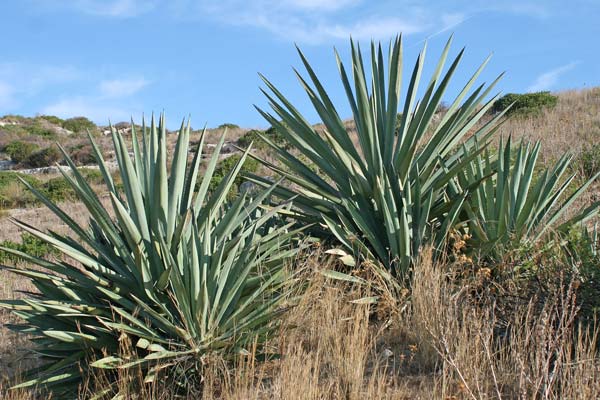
(111, 99)
(320, 5)
(92, 108)
(312, 21)
(68, 91)
(7, 100)
(105, 8)
(122, 87)
(549, 79)
(19, 83)
(319, 21)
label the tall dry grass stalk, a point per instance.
(436, 344)
(539, 353)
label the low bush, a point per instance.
(226, 166)
(58, 189)
(254, 136)
(92, 176)
(228, 125)
(44, 158)
(52, 119)
(588, 162)
(525, 104)
(20, 151)
(37, 129)
(79, 124)
(12, 192)
(82, 154)
(30, 245)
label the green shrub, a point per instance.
(525, 104)
(588, 161)
(44, 158)
(30, 245)
(228, 126)
(52, 119)
(13, 194)
(92, 176)
(36, 129)
(82, 154)
(252, 136)
(58, 189)
(224, 167)
(79, 124)
(15, 118)
(20, 151)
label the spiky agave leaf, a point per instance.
(522, 200)
(384, 191)
(180, 273)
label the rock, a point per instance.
(248, 187)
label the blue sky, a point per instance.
(118, 58)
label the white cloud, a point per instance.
(549, 79)
(313, 21)
(112, 101)
(106, 8)
(94, 109)
(122, 87)
(320, 5)
(7, 100)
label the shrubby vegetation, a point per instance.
(588, 162)
(78, 124)
(525, 104)
(14, 195)
(225, 166)
(257, 137)
(20, 151)
(52, 119)
(44, 158)
(228, 125)
(30, 245)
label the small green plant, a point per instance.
(525, 104)
(36, 129)
(257, 137)
(30, 245)
(588, 161)
(79, 124)
(252, 136)
(226, 165)
(228, 125)
(12, 192)
(52, 119)
(58, 189)
(44, 158)
(20, 151)
(82, 154)
(92, 176)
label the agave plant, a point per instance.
(179, 273)
(383, 190)
(520, 201)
